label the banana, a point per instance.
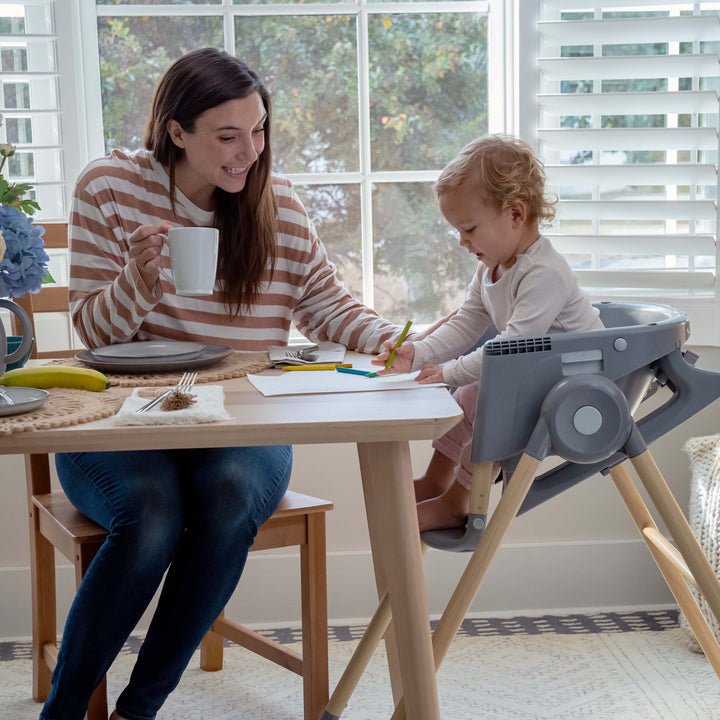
(55, 376)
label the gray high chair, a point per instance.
(574, 396)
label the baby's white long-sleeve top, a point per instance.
(538, 295)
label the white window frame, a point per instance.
(88, 77)
(513, 84)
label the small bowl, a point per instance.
(13, 343)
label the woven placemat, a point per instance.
(65, 407)
(234, 365)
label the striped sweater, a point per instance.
(110, 303)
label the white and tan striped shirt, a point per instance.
(110, 303)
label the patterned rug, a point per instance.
(607, 666)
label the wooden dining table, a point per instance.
(381, 423)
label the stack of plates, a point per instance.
(153, 356)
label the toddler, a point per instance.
(493, 194)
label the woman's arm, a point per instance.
(326, 310)
(113, 272)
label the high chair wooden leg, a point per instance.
(481, 487)
(669, 562)
(679, 528)
(479, 562)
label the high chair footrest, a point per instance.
(459, 539)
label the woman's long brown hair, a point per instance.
(247, 220)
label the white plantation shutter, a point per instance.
(627, 124)
(30, 102)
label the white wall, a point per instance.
(579, 551)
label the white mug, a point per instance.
(193, 259)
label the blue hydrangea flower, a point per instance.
(25, 262)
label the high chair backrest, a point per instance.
(639, 347)
(518, 373)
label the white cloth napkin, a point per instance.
(209, 407)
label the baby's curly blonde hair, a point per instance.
(502, 169)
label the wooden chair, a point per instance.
(56, 524)
(51, 298)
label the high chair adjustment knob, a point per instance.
(587, 417)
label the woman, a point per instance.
(193, 513)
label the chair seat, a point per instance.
(66, 527)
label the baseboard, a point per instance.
(547, 578)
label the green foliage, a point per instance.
(428, 97)
(134, 55)
(10, 194)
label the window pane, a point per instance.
(135, 52)
(16, 95)
(421, 272)
(158, 2)
(309, 64)
(284, 2)
(428, 87)
(335, 210)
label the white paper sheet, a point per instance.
(315, 382)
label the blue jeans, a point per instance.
(193, 513)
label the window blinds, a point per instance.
(628, 128)
(30, 102)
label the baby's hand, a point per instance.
(402, 363)
(430, 374)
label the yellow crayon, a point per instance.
(317, 367)
(399, 342)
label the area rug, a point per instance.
(621, 675)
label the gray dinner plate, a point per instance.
(24, 399)
(209, 355)
(149, 350)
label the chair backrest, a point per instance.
(51, 298)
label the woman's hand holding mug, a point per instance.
(146, 245)
(193, 256)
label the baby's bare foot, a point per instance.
(445, 511)
(425, 488)
(437, 478)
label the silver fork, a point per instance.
(8, 400)
(184, 385)
(306, 353)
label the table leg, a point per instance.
(395, 538)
